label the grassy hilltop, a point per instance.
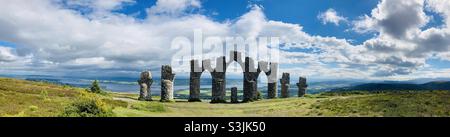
(26, 98)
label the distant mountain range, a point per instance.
(434, 85)
(314, 85)
(324, 86)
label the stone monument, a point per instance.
(167, 78)
(285, 85)
(194, 82)
(234, 95)
(302, 86)
(250, 73)
(145, 83)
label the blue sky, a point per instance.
(7, 44)
(289, 11)
(354, 39)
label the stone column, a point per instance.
(272, 90)
(194, 83)
(219, 81)
(272, 85)
(145, 83)
(249, 91)
(194, 87)
(302, 86)
(255, 93)
(234, 95)
(285, 85)
(218, 87)
(167, 78)
(250, 80)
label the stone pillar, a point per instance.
(145, 83)
(285, 85)
(250, 80)
(194, 83)
(272, 87)
(194, 87)
(218, 87)
(167, 78)
(249, 91)
(302, 86)
(255, 93)
(272, 90)
(219, 81)
(234, 95)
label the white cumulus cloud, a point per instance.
(56, 36)
(331, 16)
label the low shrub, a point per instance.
(95, 87)
(87, 106)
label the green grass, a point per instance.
(355, 103)
(40, 99)
(276, 107)
(418, 103)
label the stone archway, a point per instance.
(219, 78)
(233, 85)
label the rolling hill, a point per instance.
(435, 85)
(22, 98)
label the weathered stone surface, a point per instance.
(145, 83)
(219, 81)
(301, 86)
(272, 90)
(167, 78)
(250, 80)
(218, 87)
(234, 95)
(168, 94)
(249, 91)
(194, 88)
(270, 69)
(285, 84)
(194, 84)
(255, 92)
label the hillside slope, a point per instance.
(435, 85)
(26, 98)
(423, 103)
(21, 98)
